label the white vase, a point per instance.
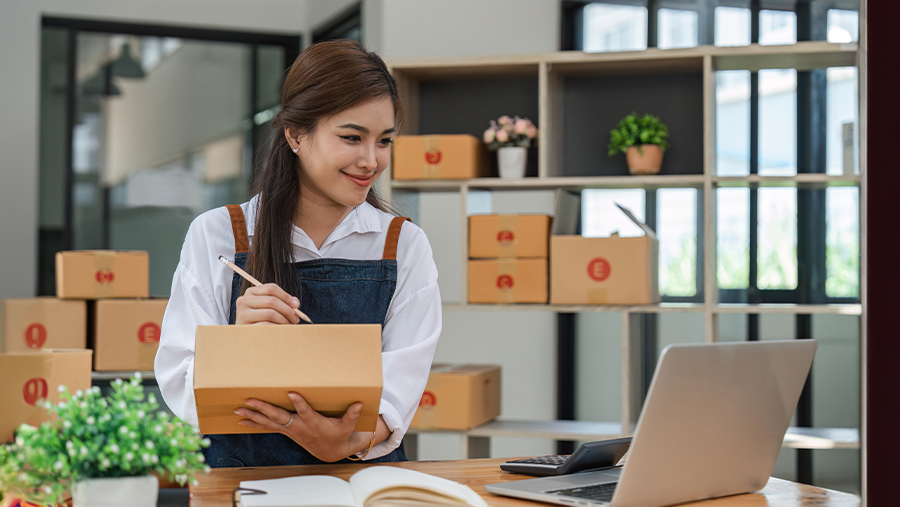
(140, 491)
(511, 161)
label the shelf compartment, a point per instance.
(593, 105)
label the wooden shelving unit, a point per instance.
(561, 89)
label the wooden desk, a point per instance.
(215, 489)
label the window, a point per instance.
(151, 147)
(676, 229)
(778, 122)
(777, 27)
(732, 26)
(614, 28)
(843, 26)
(677, 29)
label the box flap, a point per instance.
(568, 213)
(644, 227)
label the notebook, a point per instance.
(377, 486)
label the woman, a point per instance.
(318, 235)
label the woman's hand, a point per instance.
(327, 438)
(266, 304)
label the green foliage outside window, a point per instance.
(678, 276)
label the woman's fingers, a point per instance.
(260, 419)
(304, 411)
(270, 289)
(266, 304)
(348, 421)
(276, 414)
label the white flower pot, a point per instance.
(511, 161)
(141, 491)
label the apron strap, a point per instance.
(239, 227)
(393, 238)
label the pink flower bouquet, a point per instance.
(506, 131)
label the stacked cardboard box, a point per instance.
(439, 157)
(26, 377)
(600, 271)
(103, 304)
(459, 397)
(508, 258)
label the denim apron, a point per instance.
(333, 291)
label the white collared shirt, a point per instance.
(201, 295)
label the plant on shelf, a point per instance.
(97, 445)
(510, 137)
(643, 141)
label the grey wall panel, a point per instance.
(593, 107)
(468, 106)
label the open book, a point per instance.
(378, 486)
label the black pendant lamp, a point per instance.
(125, 65)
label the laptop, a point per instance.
(712, 425)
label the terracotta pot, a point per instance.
(648, 163)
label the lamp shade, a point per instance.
(125, 65)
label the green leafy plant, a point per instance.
(89, 435)
(636, 131)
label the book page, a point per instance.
(376, 479)
(307, 491)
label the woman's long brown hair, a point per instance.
(324, 80)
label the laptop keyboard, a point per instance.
(597, 492)
(544, 460)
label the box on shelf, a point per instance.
(331, 365)
(439, 157)
(459, 397)
(494, 236)
(37, 323)
(98, 274)
(508, 281)
(600, 271)
(126, 333)
(26, 377)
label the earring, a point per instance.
(295, 149)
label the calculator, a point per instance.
(589, 456)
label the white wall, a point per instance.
(424, 28)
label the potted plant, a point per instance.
(510, 137)
(102, 449)
(643, 141)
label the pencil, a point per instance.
(255, 282)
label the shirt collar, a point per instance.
(362, 219)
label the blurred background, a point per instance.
(126, 120)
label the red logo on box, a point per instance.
(34, 390)
(428, 399)
(599, 269)
(506, 236)
(35, 335)
(433, 157)
(149, 333)
(505, 282)
(104, 276)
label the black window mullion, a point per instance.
(652, 23)
(68, 242)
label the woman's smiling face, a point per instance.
(343, 158)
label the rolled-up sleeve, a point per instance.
(411, 332)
